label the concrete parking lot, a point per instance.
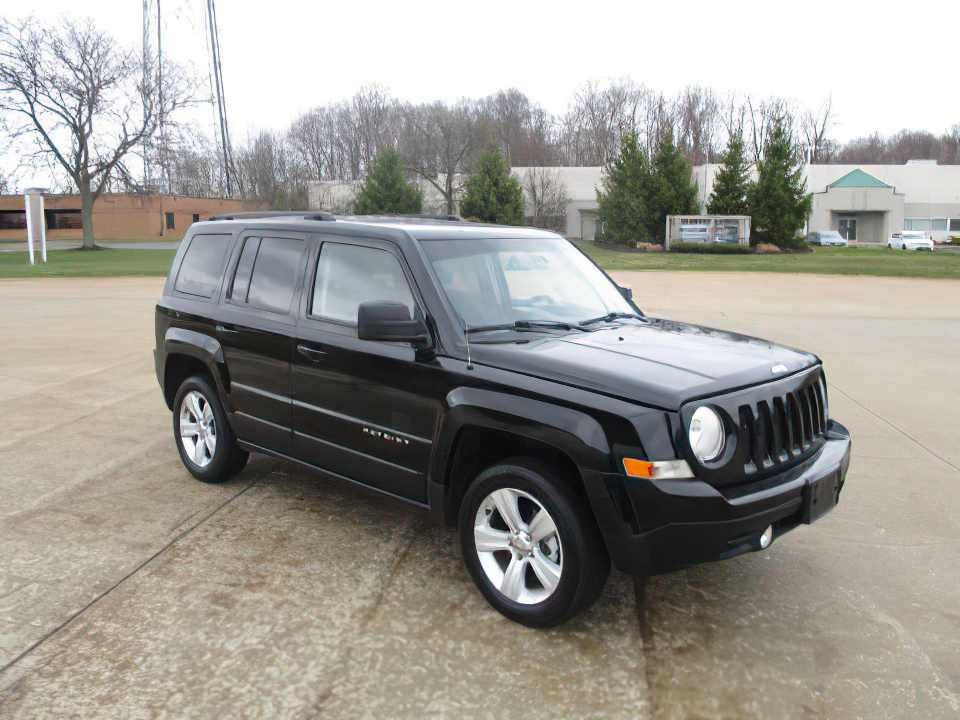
(127, 589)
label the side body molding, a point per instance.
(570, 431)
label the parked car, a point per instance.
(826, 237)
(910, 240)
(498, 379)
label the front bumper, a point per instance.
(654, 526)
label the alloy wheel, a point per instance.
(518, 545)
(198, 428)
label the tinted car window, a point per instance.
(241, 278)
(203, 265)
(275, 272)
(348, 275)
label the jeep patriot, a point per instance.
(498, 379)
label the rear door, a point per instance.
(362, 410)
(256, 332)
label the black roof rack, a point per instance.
(305, 214)
(407, 216)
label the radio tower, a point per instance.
(147, 80)
(220, 97)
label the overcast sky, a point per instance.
(887, 66)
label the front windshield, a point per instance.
(833, 234)
(504, 281)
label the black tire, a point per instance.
(228, 459)
(585, 563)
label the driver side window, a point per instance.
(348, 275)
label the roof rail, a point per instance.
(305, 214)
(412, 216)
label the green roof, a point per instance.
(858, 179)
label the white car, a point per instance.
(910, 240)
(826, 237)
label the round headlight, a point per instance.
(707, 436)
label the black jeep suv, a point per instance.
(498, 378)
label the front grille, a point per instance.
(777, 431)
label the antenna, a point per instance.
(466, 339)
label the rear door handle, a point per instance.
(310, 353)
(225, 329)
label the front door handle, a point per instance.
(224, 329)
(311, 354)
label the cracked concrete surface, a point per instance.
(129, 590)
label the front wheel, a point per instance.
(531, 544)
(205, 440)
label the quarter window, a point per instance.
(202, 265)
(348, 275)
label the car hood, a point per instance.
(659, 362)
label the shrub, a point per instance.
(711, 248)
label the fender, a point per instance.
(570, 431)
(202, 347)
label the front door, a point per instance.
(848, 228)
(363, 410)
(256, 333)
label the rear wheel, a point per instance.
(531, 544)
(205, 440)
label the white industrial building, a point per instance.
(866, 203)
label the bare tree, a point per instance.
(84, 100)
(814, 127)
(437, 144)
(520, 128)
(195, 167)
(697, 119)
(763, 116)
(546, 198)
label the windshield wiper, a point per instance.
(612, 316)
(526, 325)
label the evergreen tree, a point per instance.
(779, 202)
(732, 183)
(491, 193)
(672, 191)
(622, 202)
(385, 189)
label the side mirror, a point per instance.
(626, 292)
(390, 322)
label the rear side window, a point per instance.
(202, 265)
(348, 275)
(267, 273)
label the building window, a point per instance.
(917, 224)
(196, 217)
(939, 224)
(13, 220)
(171, 225)
(64, 219)
(955, 225)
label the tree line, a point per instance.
(440, 142)
(642, 187)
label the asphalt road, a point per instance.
(127, 589)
